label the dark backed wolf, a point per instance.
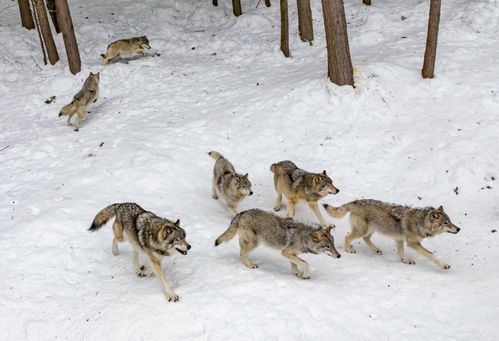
(155, 236)
(402, 223)
(290, 237)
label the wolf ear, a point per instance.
(324, 172)
(328, 229)
(440, 208)
(245, 175)
(177, 222)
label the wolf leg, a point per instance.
(400, 251)
(300, 263)
(424, 252)
(214, 189)
(295, 270)
(232, 209)
(158, 271)
(354, 234)
(141, 271)
(246, 247)
(278, 203)
(315, 208)
(370, 244)
(118, 237)
(291, 208)
(69, 119)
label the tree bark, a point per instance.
(26, 16)
(340, 69)
(305, 26)
(42, 20)
(42, 45)
(53, 15)
(284, 28)
(431, 40)
(367, 2)
(267, 3)
(215, 2)
(236, 7)
(68, 34)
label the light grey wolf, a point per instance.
(126, 47)
(401, 223)
(147, 233)
(227, 183)
(88, 94)
(290, 237)
(299, 185)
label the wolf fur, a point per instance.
(126, 47)
(299, 185)
(147, 233)
(290, 237)
(232, 187)
(89, 93)
(401, 223)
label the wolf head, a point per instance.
(95, 76)
(321, 241)
(144, 42)
(243, 184)
(323, 184)
(172, 236)
(438, 222)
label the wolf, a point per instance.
(89, 93)
(402, 223)
(126, 47)
(285, 234)
(299, 185)
(227, 183)
(147, 233)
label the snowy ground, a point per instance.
(222, 84)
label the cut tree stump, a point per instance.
(430, 53)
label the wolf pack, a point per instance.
(157, 237)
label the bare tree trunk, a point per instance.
(68, 34)
(284, 28)
(340, 69)
(53, 15)
(430, 53)
(236, 7)
(305, 20)
(215, 2)
(42, 45)
(42, 20)
(26, 16)
(267, 3)
(367, 2)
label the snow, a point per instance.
(222, 84)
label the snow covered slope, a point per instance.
(222, 84)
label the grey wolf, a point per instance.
(147, 233)
(299, 185)
(88, 94)
(401, 223)
(290, 237)
(126, 47)
(227, 183)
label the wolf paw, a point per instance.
(350, 250)
(215, 196)
(445, 266)
(408, 261)
(144, 271)
(76, 129)
(379, 252)
(304, 277)
(277, 209)
(172, 298)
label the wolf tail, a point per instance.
(337, 212)
(231, 231)
(103, 216)
(215, 155)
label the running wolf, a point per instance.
(126, 47)
(88, 94)
(226, 182)
(299, 185)
(290, 237)
(402, 223)
(156, 237)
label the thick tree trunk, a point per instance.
(42, 45)
(367, 2)
(53, 15)
(305, 26)
(215, 2)
(68, 34)
(267, 3)
(236, 7)
(43, 21)
(284, 28)
(26, 16)
(340, 69)
(430, 53)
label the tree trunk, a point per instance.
(26, 16)
(338, 51)
(236, 7)
(42, 20)
(284, 28)
(267, 3)
(305, 20)
(430, 53)
(215, 2)
(42, 45)
(53, 15)
(68, 34)
(367, 2)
